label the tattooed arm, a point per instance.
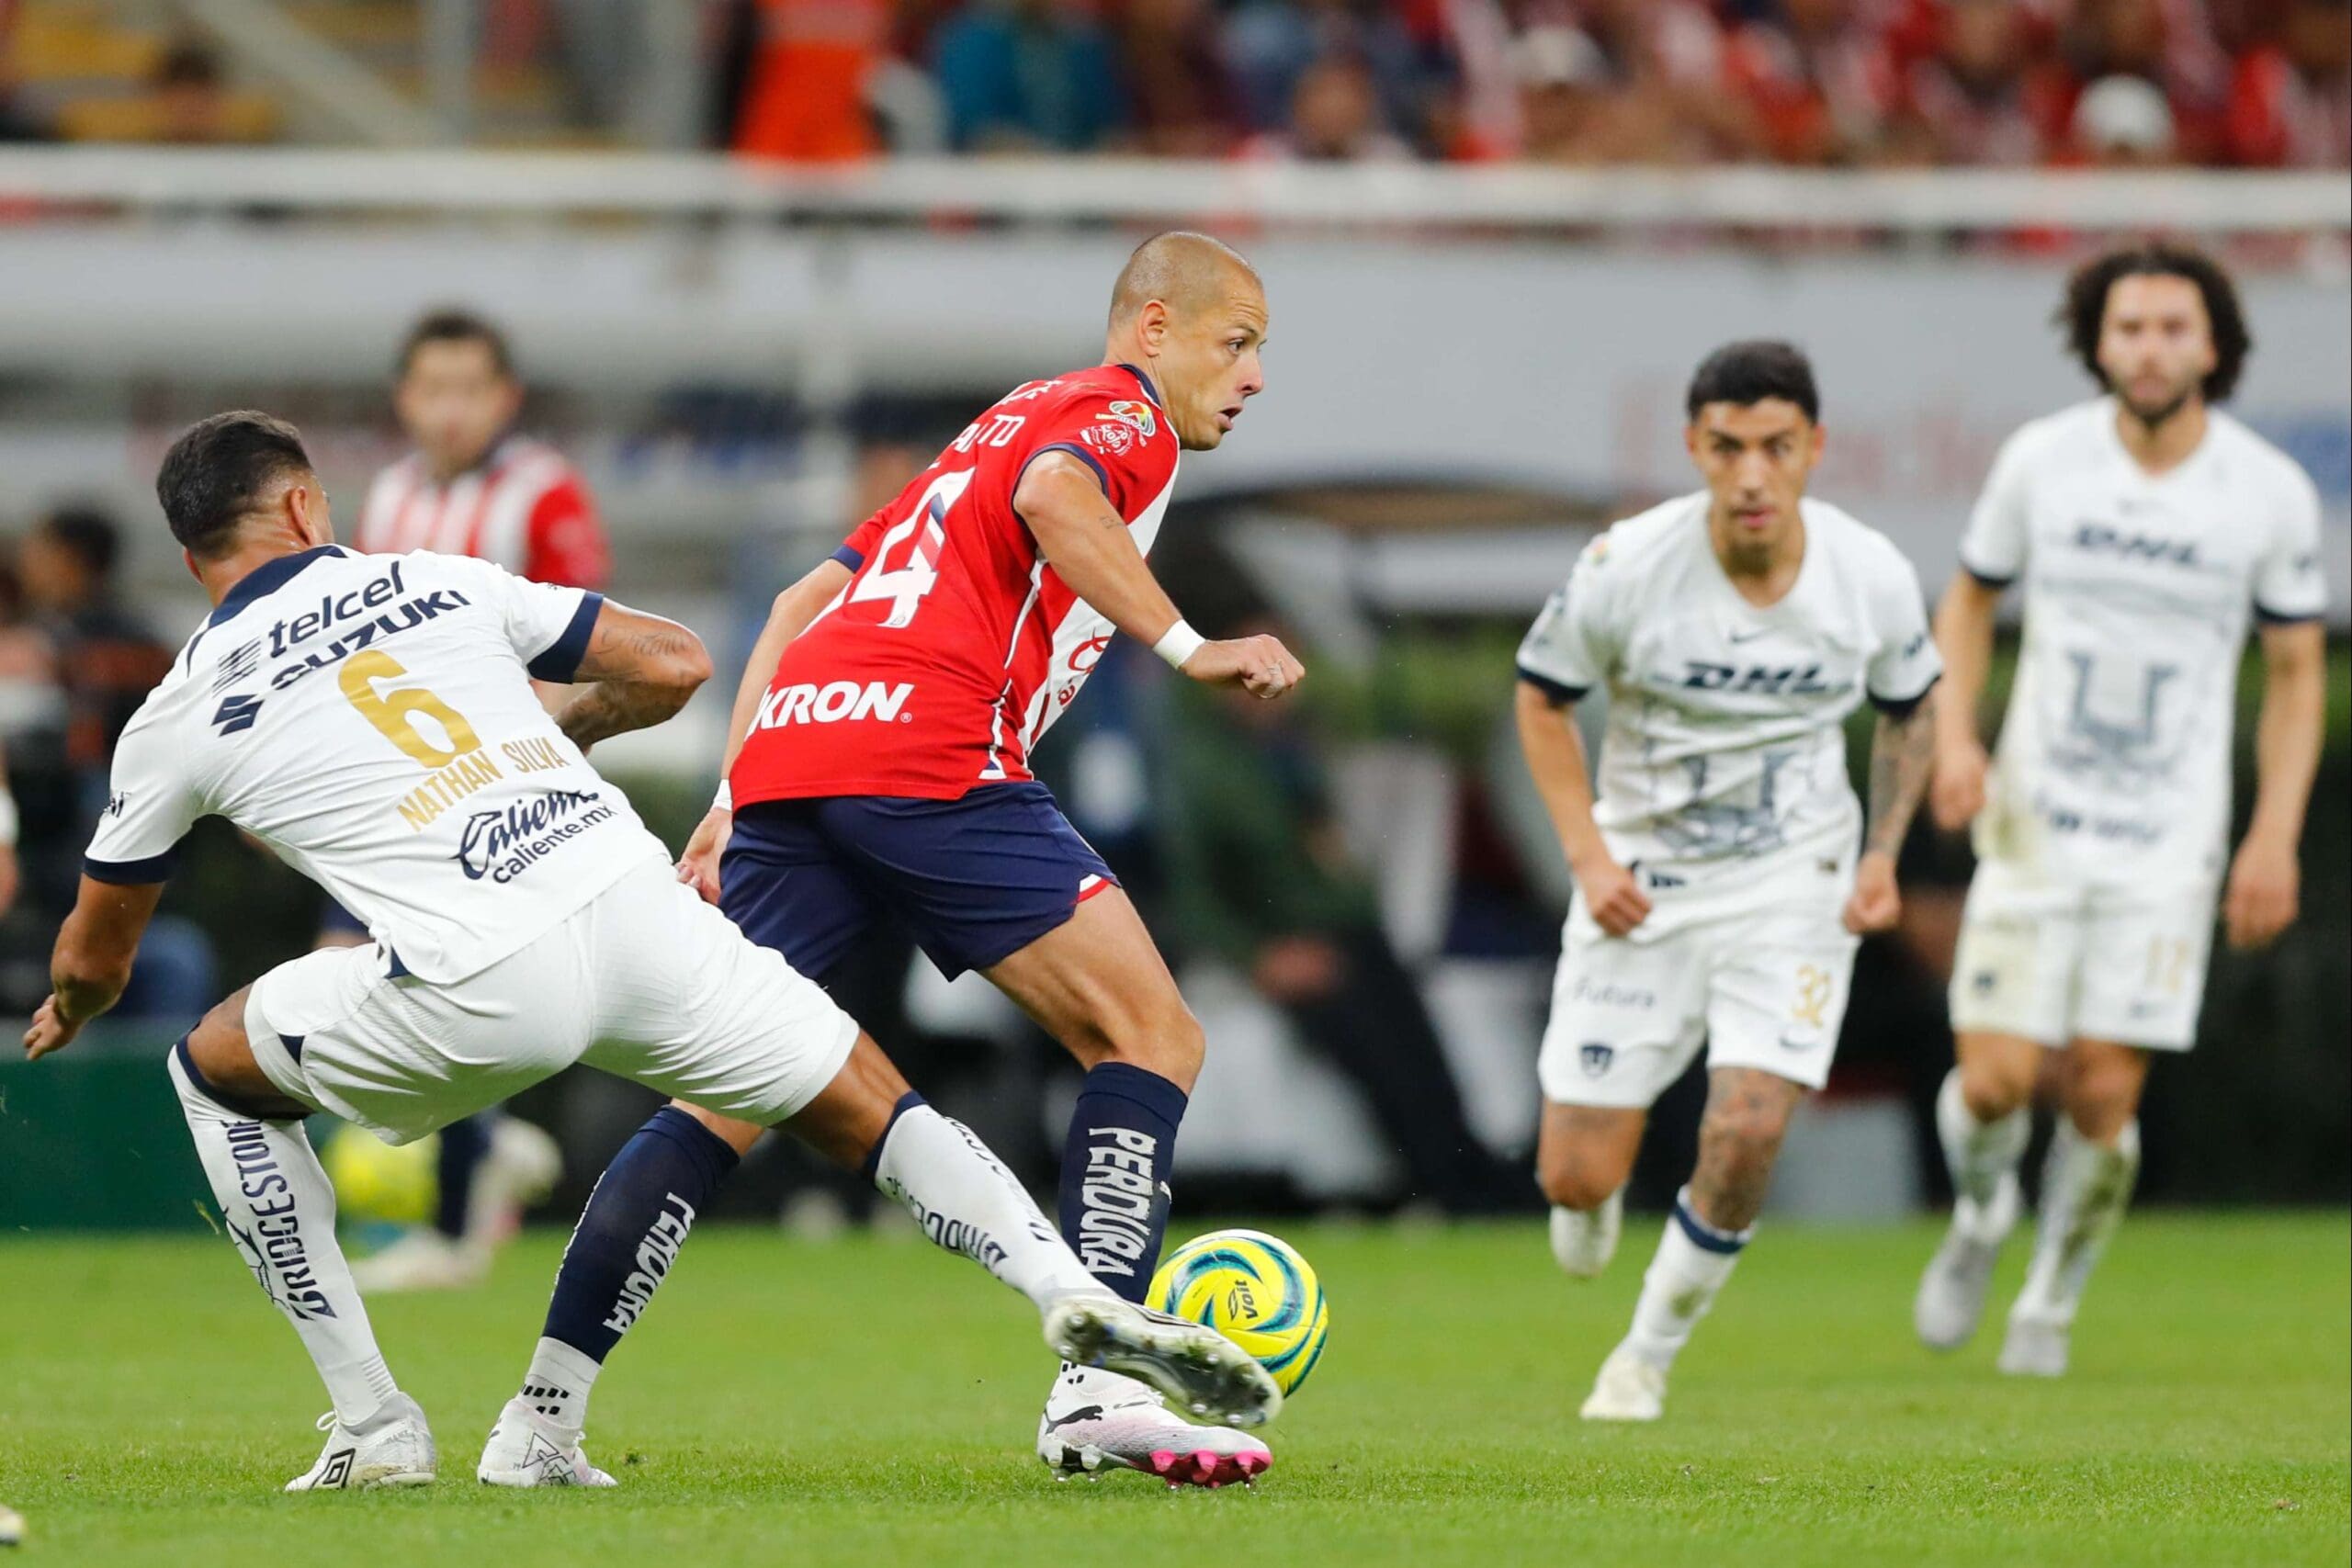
(642, 670)
(1903, 749)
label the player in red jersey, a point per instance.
(878, 769)
(473, 486)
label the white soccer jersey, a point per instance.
(1724, 756)
(366, 716)
(2114, 759)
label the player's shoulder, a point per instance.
(1846, 537)
(532, 464)
(2073, 433)
(2252, 458)
(1635, 545)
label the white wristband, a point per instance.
(7, 818)
(724, 799)
(1179, 643)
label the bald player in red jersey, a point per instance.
(877, 771)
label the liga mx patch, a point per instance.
(1595, 1057)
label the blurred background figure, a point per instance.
(1257, 873)
(1335, 118)
(473, 487)
(1029, 75)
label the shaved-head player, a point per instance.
(877, 769)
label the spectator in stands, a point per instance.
(1270, 45)
(1257, 873)
(192, 104)
(1039, 75)
(2167, 43)
(2291, 100)
(1984, 93)
(819, 83)
(2124, 122)
(17, 123)
(1184, 105)
(1335, 119)
(1811, 81)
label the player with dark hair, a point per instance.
(2143, 524)
(372, 719)
(877, 769)
(1723, 870)
(474, 488)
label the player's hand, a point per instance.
(50, 1032)
(1876, 902)
(2265, 890)
(698, 867)
(1615, 898)
(1260, 664)
(1956, 791)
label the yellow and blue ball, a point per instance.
(376, 1183)
(1256, 1290)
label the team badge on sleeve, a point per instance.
(1137, 414)
(1109, 436)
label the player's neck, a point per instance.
(2167, 444)
(1761, 573)
(221, 577)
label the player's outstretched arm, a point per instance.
(2264, 888)
(642, 670)
(1964, 638)
(1085, 540)
(92, 961)
(1902, 752)
(790, 616)
(1556, 760)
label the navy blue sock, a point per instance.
(1114, 1174)
(636, 1221)
(463, 1144)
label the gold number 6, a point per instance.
(391, 712)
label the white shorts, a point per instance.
(1765, 989)
(2052, 963)
(646, 982)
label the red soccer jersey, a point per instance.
(955, 645)
(522, 507)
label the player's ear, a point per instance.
(1152, 322)
(1820, 443)
(187, 559)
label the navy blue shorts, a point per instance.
(973, 881)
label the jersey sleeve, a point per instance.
(564, 539)
(1574, 643)
(2288, 583)
(1126, 440)
(548, 624)
(1906, 662)
(1992, 549)
(150, 805)
(862, 540)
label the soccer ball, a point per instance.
(377, 1184)
(1256, 1290)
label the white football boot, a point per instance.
(1950, 1302)
(422, 1260)
(1096, 1421)
(394, 1450)
(2035, 1348)
(526, 1448)
(1584, 1240)
(1628, 1388)
(1192, 1364)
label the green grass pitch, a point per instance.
(871, 1403)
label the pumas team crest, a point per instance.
(1596, 1057)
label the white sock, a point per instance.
(556, 1385)
(279, 1210)
(1980, 1155)
(2084, 1189)
(1693, 1262)
(966, 1202)
(1584, 1240)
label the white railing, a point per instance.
(1422, 197)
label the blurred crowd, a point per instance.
(1977, 82)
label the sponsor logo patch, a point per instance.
(1135, 413)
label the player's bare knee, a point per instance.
(1571, 1182)
(736, 1135)
(1996, 1087)
(2099, 1103)
(1163, 1038)
(224, 1060)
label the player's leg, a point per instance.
(2013, 977)
(277, 1207)
(2087, 1181)
(691, 1007)
(1776, 990)
(1583, 1156)
(1626, 1019)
